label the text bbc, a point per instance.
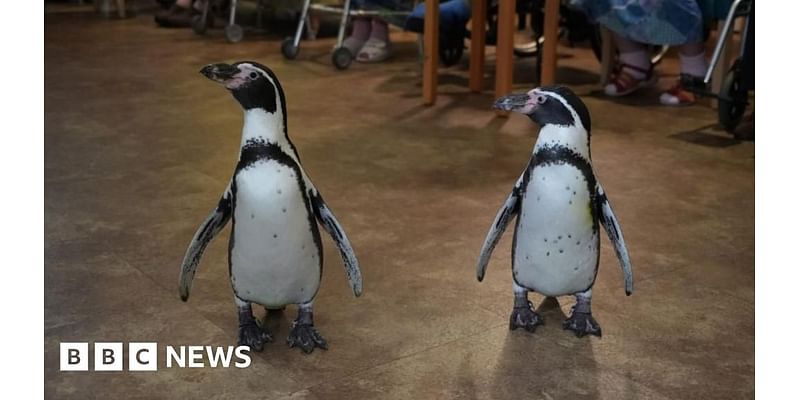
(143, 356)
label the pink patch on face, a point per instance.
(534, 99)
(237, 81)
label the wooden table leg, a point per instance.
(477, 45)
(606, 56)
(121, 8)
(551, 18)
(504, 75)
(431, 49)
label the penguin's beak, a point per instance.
(221, 73)
(522, 103)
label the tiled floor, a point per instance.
(139, 147)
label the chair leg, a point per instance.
(121, 8)
(549, 54)
(504, 77)
(477, 45)
(606, 55)
(430, 78)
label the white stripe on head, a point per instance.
(562, 100)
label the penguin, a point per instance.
(559, 204)
(275, 250)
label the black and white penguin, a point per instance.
(559, 204)
(275, 251)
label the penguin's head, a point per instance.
(252, 84)
(548, 105)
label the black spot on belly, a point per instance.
(569, 236)
(560, 250)
(252, 216)
(301, 289)
(548, 254)
(579, 243)
(275, 236)
(545, 240)
(570, 202)
(279, 191)
(576, 268)
(284, 210)
(567, 188)
(559, 237)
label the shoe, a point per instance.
(374, 50)
(175, 17)
(681, 94)
(623, 83)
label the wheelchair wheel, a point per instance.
(288, 48)
(341, 58)
(198, 25)
(732, 98)
(234, 33)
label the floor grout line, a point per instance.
(360, 371)
(222, 330)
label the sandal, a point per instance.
(374, 50)
(623, 83)
(681, 94)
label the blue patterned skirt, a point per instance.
(670, 22)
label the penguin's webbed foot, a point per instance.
(254, 336)
(525, 317)
(306, 337)
(582, 324)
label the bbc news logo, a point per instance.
(143, 356)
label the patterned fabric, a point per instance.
(670, 22)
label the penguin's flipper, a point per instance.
(331, 225)
(210, 227)
(507, 212)
(609, 221)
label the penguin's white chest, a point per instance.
(275, 259)
(556, 240)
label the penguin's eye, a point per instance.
(541, 99)
(253, 75)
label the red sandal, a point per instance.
(681, 94)
(623, 83)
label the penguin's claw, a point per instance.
(525, 317)
(582, 324)
(253, 336)
(306, 337)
